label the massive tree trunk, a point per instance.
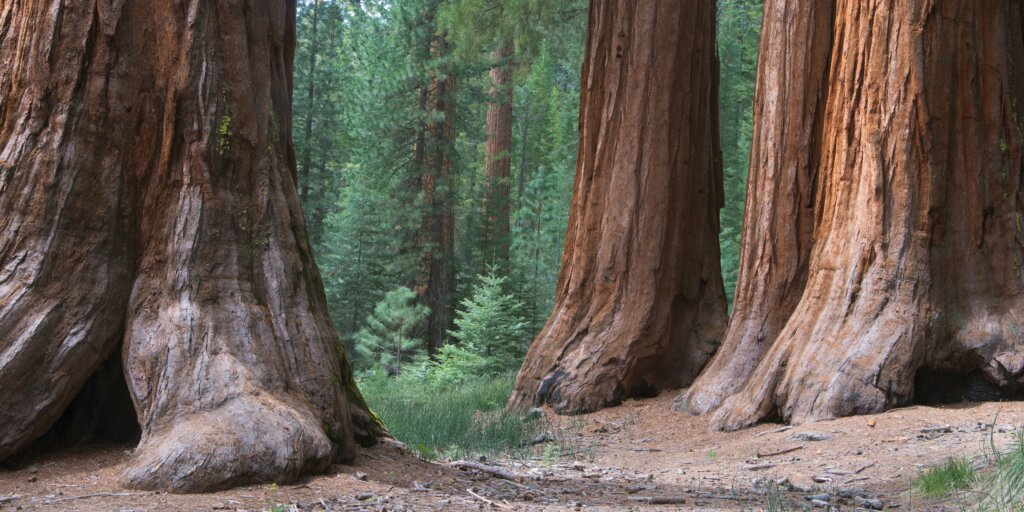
(917, 246)
(779, 214)
(148, 203)
(498, 160)
(437, 230)
(640, 303)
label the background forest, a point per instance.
(477, 174)
(436, 147)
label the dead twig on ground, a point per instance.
(658, 500)
(487, 501)
(710, 496)
(86, 496)
(776, 431)
(780, 452)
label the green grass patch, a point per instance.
(1002, 488)
(953, 475)
(456, 421)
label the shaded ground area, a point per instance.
(638, 456)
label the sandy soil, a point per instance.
(619, 459)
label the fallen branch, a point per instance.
(780, 452)
(487, 501)
(758, 467)
(658, 500)
(859, 479)
(484, 468)
(862, 468)
(709, 496)
(6, 499)
(776, 431)
(93, 495)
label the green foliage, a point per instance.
(739, 33)
(952, 475)
(360, 167)
(362, 121)
(365, 250)
(490, 334)
(451, 421)
(545, 136)
(363, 204)
(476, 27)
(387, 340)
(321, 100)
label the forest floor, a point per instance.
(639, 456)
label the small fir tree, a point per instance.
(387, 340)
(490, 331)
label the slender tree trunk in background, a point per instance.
(307, 131)
(916, 262)
(525, 138)
(779, 213)
(437, 231)
(148, 202)
(498, 160)
(537, 230)
(357, 310)
(640, 302)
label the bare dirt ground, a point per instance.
(640, 456)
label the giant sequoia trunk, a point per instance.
(640, 303)
(916, 260)
(779, 213)
(148, 204)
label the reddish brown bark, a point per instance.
(917, 244)
(148, 200)
(640, 303)
(498, 160)
(437, 230)
(779, 215)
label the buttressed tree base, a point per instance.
(914, 262)
(640, 304)
(148, 205)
